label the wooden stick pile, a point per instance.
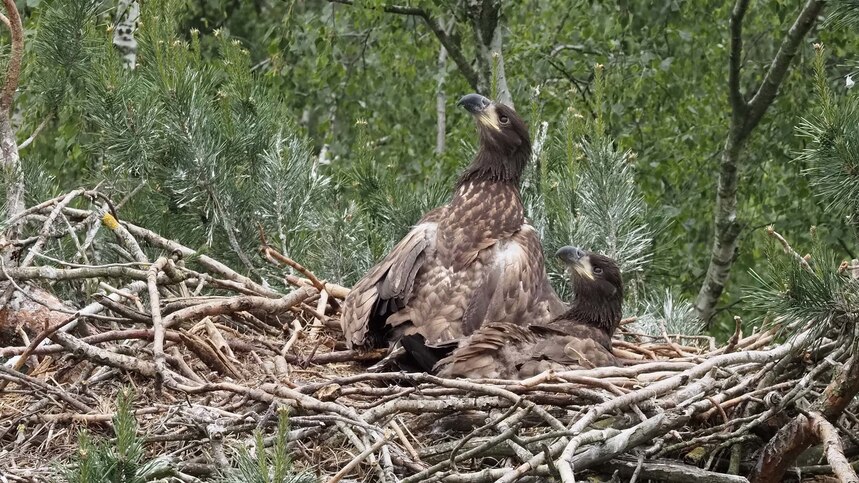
(212, 354)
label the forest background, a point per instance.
(330, 127)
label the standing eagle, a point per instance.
(580, 338)
(473, 261)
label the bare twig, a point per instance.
(450, 42)
(35, 133)
(157, 322)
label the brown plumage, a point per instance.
(473, 261)
(580, 338)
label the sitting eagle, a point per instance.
(580, 338)
(473, 261)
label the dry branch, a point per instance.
(228, 350)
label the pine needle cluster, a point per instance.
(121, 460)
(821, 290)
(261, 466)
(668, 312)
(832, 150)
(794, 296)
(581, 191)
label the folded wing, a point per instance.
(389, 285)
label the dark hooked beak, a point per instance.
(570, 255)
(474, 103)
(578, 261)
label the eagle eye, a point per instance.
(597, 270)
(504, 119)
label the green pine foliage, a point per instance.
(667, 311)
(581, 190)
(794, 298)
(121, 460)
(261, 466)
(832, 150)
(843, 14)
(821, 294)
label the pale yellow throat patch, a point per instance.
(584, 268)
(489, 118)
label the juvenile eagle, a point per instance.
(473, 261)
(580, 338)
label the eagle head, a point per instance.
(598, 286)
(504, 139)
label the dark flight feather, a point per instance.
(471, 262)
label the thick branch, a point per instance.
(14, 175)
(766, 93)
(157, 321)
(441, 101)
(449, 41)
(738, 104)
(834, 450)
(240, 304)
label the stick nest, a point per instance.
(212, 354)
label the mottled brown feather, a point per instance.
(508, 351)
(580, 338)
(503, 278)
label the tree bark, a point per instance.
(485, 17)
(13, 174)
(441, 101)
(745, 116)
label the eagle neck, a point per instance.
(601, 312)
(489, 165)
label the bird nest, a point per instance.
(211, 354)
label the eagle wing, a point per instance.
(493, 352)
(388, 286)
(509, 351)
(520, 291)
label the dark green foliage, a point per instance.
(223, 122)
(794, 298)
(262, 466)
(121, 460)
(832, 151)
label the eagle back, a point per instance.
(481, 213)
